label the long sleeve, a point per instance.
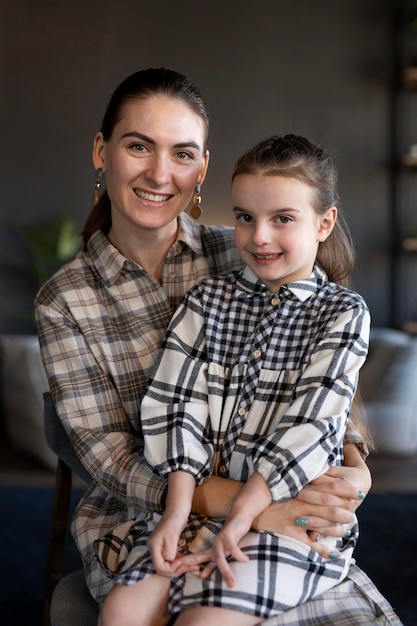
(89, 403)
(311, 429)
(175, 408)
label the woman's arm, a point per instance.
(88, 370)
(326, 504)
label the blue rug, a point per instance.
(387, 551)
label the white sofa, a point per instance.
(388, 384)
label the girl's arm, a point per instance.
(309, 432)
(163, 543)
(251, 500)
(330, 501)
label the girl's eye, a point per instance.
(284, 219)
(244, 217)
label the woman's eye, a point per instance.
(284, 219)
(185, 155)
(137, 147)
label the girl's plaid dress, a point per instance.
(253, 381)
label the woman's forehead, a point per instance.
(162, 116)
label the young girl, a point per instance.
(255, 382)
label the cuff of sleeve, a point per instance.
(359, 443)
(278, 488)
(145, 490)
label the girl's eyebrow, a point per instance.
(237, 209)
(136, 135)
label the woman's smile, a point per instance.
(152, 197)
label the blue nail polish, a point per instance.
(361, 495)
(301, 521)
(348, 533)
(333, 555)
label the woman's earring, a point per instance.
(97, 185)
(196, 209)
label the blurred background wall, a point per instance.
(315, 67)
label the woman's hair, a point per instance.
(139, 86)
(295, 157)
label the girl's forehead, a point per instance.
(271, 191)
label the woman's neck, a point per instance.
(148, 248)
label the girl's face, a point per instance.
(277, 229)
(152, 162)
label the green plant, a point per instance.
(49, 245)
(44, 247)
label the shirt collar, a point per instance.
(248, 284)
(189, 234)
(109, 262)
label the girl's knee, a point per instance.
(215, 616)
(116, 604)
(141, 604)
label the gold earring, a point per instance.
(97, 185)
(196, 209)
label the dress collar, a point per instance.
(247, 284)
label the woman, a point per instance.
(102, 317)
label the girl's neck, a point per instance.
(148, 248)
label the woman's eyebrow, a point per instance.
(182, 144)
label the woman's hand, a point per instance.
(324, 507)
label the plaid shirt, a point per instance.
(101, 320)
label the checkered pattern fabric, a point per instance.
(251, 381)
(101, 319)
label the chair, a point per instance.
(67, 601)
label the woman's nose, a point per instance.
(158, 170)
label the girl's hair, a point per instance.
(139, 86)
(295, 157)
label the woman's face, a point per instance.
(152, 162)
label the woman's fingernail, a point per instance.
(361, 494)
(333, 555)
(301, 521)
(348, 532)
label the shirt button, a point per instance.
(242, 411)
(274, 301)
(182, 543)
(172, 274)
(257, 353)
(222, 469)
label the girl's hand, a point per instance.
(226, 543)
(163, 546)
